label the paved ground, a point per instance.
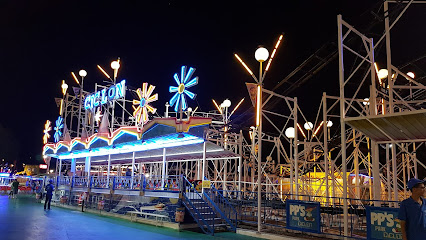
(23, 218)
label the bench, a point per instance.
(133, 215)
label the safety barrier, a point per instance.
(274, 215)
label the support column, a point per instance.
(204, 160)
(342, 125)
(376, 173)
(60, 167)
(163, 173)
(296, 150)
(133, 170)
(388, 185)
(109, 169)
(356, 165)
(73, 166)
(326, 163)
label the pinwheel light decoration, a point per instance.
(59, 125)
(143, 104)
(178, 100)
(47, 128)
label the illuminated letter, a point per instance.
(96, 98)
(104, 98)
(111, 93)
(87, 102)
(121, 87)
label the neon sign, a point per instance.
(42, 166)
(105, 95)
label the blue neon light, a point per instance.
(59, 125)
(171, 140)
(105, 95)
(178, 100)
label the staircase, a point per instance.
(205, 211)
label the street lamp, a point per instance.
(64, 87)
(82, 74)
(308, 126)
(383, 73)
(261, 55)
(291, 133)
(115, 65)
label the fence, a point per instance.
(274, 215)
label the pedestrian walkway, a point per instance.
(23, 218)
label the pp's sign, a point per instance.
(382, 223)
(303, 216)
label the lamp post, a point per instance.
(82, 74)
(290, 133)
(261, 55)
(64, 87)
(115, 65)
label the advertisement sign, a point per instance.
(303, 216)
(42, 166)
(206, 183)
(382, 223)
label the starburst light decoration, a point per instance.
(178, 100)
(98, 116)
(59, 125)
(47, 128)
(143, 104)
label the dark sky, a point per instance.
(43, 41)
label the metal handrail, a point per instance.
(199, 216)
(225, 209)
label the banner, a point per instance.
(252, 90)
(382, 223)
(303, 216)
(206, 183)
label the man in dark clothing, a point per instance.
(15, 186)
(412, 212)
(49, 193)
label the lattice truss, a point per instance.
(118, 113)
(375, 98)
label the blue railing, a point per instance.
(64, 181)
(99, 182)
(80, 182)
(197, 207)
(127, 183)
(171, 183)
(225, 209)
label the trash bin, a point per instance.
(180, 214)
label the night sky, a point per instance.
(43, 41)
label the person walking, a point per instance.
(14, 188)
(49, 193)
(412, 212)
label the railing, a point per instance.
(273, 211)
(171, 183)
(64, 181)
(127, 183)
(100, 182)
(197, 207)
(80, 182)
(225, 209)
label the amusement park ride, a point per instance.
(103, 133)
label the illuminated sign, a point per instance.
(42, 166)
(105, 95)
